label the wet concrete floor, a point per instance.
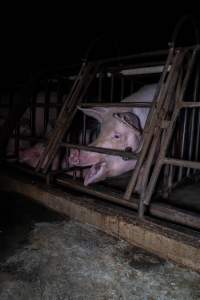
(46, 256)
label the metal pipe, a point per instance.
(182, 163)
(169, 132)
(191, 135)
(150, 123)
(124, 154)
(118, 104)
(183, 137)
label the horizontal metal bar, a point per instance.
(189, 104)
(182, 163)
(141, 71)
(124, 154)
(118, 104)
(112, 196)
(114, 70)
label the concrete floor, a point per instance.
(44, 256)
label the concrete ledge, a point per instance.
(173, 243)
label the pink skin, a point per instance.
(114, 135)
(32, 155)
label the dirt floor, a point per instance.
(46, 256)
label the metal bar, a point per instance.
(196, 156)
(187, 104)
(191, 136)
(142, 71)
(118, 104)
(111, 196)
(116, 70)
(169, 132)
(182, 163)
(150, 123)
(67, 113)
(180, 171)
(124, 154)
(198, 137)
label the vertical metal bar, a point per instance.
(169, 132)
(197, 113)
(185, 114)
(149, 126)
(198, 136)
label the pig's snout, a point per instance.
(74, 158)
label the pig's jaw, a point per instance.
(95, 173)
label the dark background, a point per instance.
(35, 37)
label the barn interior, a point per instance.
(154, 231)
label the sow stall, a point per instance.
(169, 156)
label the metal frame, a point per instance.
(159, 128)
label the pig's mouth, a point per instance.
(95, 173)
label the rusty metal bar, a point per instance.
(189, 104)
(169, 132)
(124, 154)
(180, 173)
(192, 124)
(67, 113)
(150, 123)
(198, 136)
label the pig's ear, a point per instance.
(97, 113)
(129, 119)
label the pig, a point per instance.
(31, 155)
(25, 130)
(121, 128)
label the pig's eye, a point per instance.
(116, 136)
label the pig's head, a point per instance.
(121, 130)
